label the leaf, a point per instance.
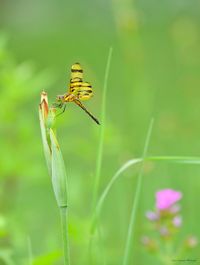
(59, 176)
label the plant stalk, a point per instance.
(131, 226)
(64, 227)
(102, 131)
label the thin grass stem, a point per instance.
(64, 229)
(128, 244)
(194, 160)
(102, 130)
(100, 149)
(107, 189)
(30, 251)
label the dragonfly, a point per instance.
(78, 91)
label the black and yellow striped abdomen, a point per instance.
(83, 90)
(76, 71)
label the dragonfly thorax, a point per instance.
(69, 97)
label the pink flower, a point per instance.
(166, 198)
(152, 216)
(177, 221)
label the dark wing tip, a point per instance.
(97, 122)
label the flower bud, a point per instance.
(152, 216)
(191, 242)
(177, 221)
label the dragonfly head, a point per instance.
(60, 98)
(59, 101)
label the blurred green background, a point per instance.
(154, 73)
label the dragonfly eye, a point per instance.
(59, 97)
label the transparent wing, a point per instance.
(83, 107)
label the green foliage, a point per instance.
(155, 72)
(49, 259)
(20, 84)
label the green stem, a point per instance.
(30, 252)
(64, 226)
(100, 149)
(102, 130)
(128, 245)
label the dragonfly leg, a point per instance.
(63, 110)
(57, 105)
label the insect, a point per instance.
(78, 91)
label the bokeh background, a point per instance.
(154, 73)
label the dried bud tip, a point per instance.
(44, 105)
(44, 96)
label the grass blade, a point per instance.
(30, 251)
(100, 149)
(102, 129)
(136, 200)
(109, 186)
(176, 159)
(118, 174)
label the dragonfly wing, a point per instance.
(75, 87)
(85, 91)
(84, 108)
